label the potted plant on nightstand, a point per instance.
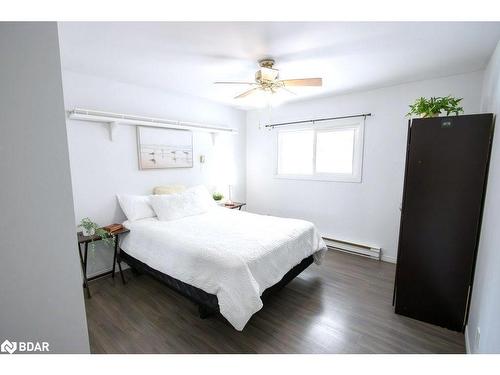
(433, 106)
(217, 197)
(89, 228)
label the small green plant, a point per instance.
(217, 196)
(434, 106)
(90, 228)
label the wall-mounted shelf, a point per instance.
(114, 119)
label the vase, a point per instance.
(88, 232)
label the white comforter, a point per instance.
(233, 254)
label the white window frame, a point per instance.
(358, 124)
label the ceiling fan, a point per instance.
(267, 80)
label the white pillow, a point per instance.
(203, 196)
(135, 207)
(194, 201)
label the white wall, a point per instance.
(485, 302)
(41, 297)
(100, 168)
(366, 212)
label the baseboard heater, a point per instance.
(354, 248)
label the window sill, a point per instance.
(323, 178)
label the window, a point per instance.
(328, 151)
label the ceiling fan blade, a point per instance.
(246, 93)
(303, 82)
(234, 83)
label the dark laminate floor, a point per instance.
(342, 306)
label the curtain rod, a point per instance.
(317, 120)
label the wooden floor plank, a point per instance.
(342, 306)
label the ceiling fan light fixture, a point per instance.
(266, 97)
(266, 75)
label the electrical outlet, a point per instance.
(478, 337)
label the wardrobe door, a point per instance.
(442, 205)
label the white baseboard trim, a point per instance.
(389, 259)
(467, 341)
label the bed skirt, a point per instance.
(208, 303)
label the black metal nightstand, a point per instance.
(85, 240)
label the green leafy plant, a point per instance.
(217, 196)
(94, 230)
(434, 106)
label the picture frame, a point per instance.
(164, 148)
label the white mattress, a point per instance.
(233, 254)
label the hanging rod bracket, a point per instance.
(112, 129)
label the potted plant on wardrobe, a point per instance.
(434, 106)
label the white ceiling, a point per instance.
(349, 56)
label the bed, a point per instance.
(224, 260)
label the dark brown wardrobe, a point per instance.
(445, 179)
